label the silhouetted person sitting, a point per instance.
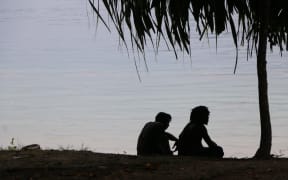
(190, 139)
(153, 140)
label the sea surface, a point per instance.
(66, 83)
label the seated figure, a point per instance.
(153, 139)
(190, 139)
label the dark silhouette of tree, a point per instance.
(258, 21)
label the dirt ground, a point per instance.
(52, 164)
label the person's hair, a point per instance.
(163, 117)
(198, 115)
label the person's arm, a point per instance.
(171, 137)
(162, 140)
(207, 138)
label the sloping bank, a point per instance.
(54, 164)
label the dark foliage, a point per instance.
(170, 20)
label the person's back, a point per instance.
(153, 140)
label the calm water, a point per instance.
(64, 84)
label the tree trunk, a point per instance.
(266, 131)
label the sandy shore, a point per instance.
(51, 164)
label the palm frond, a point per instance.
(171, 19)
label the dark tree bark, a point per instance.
(266, 130)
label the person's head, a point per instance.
(163, 118)
(199, 115)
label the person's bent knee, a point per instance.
(218, 151)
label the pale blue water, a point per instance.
(64, 84)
